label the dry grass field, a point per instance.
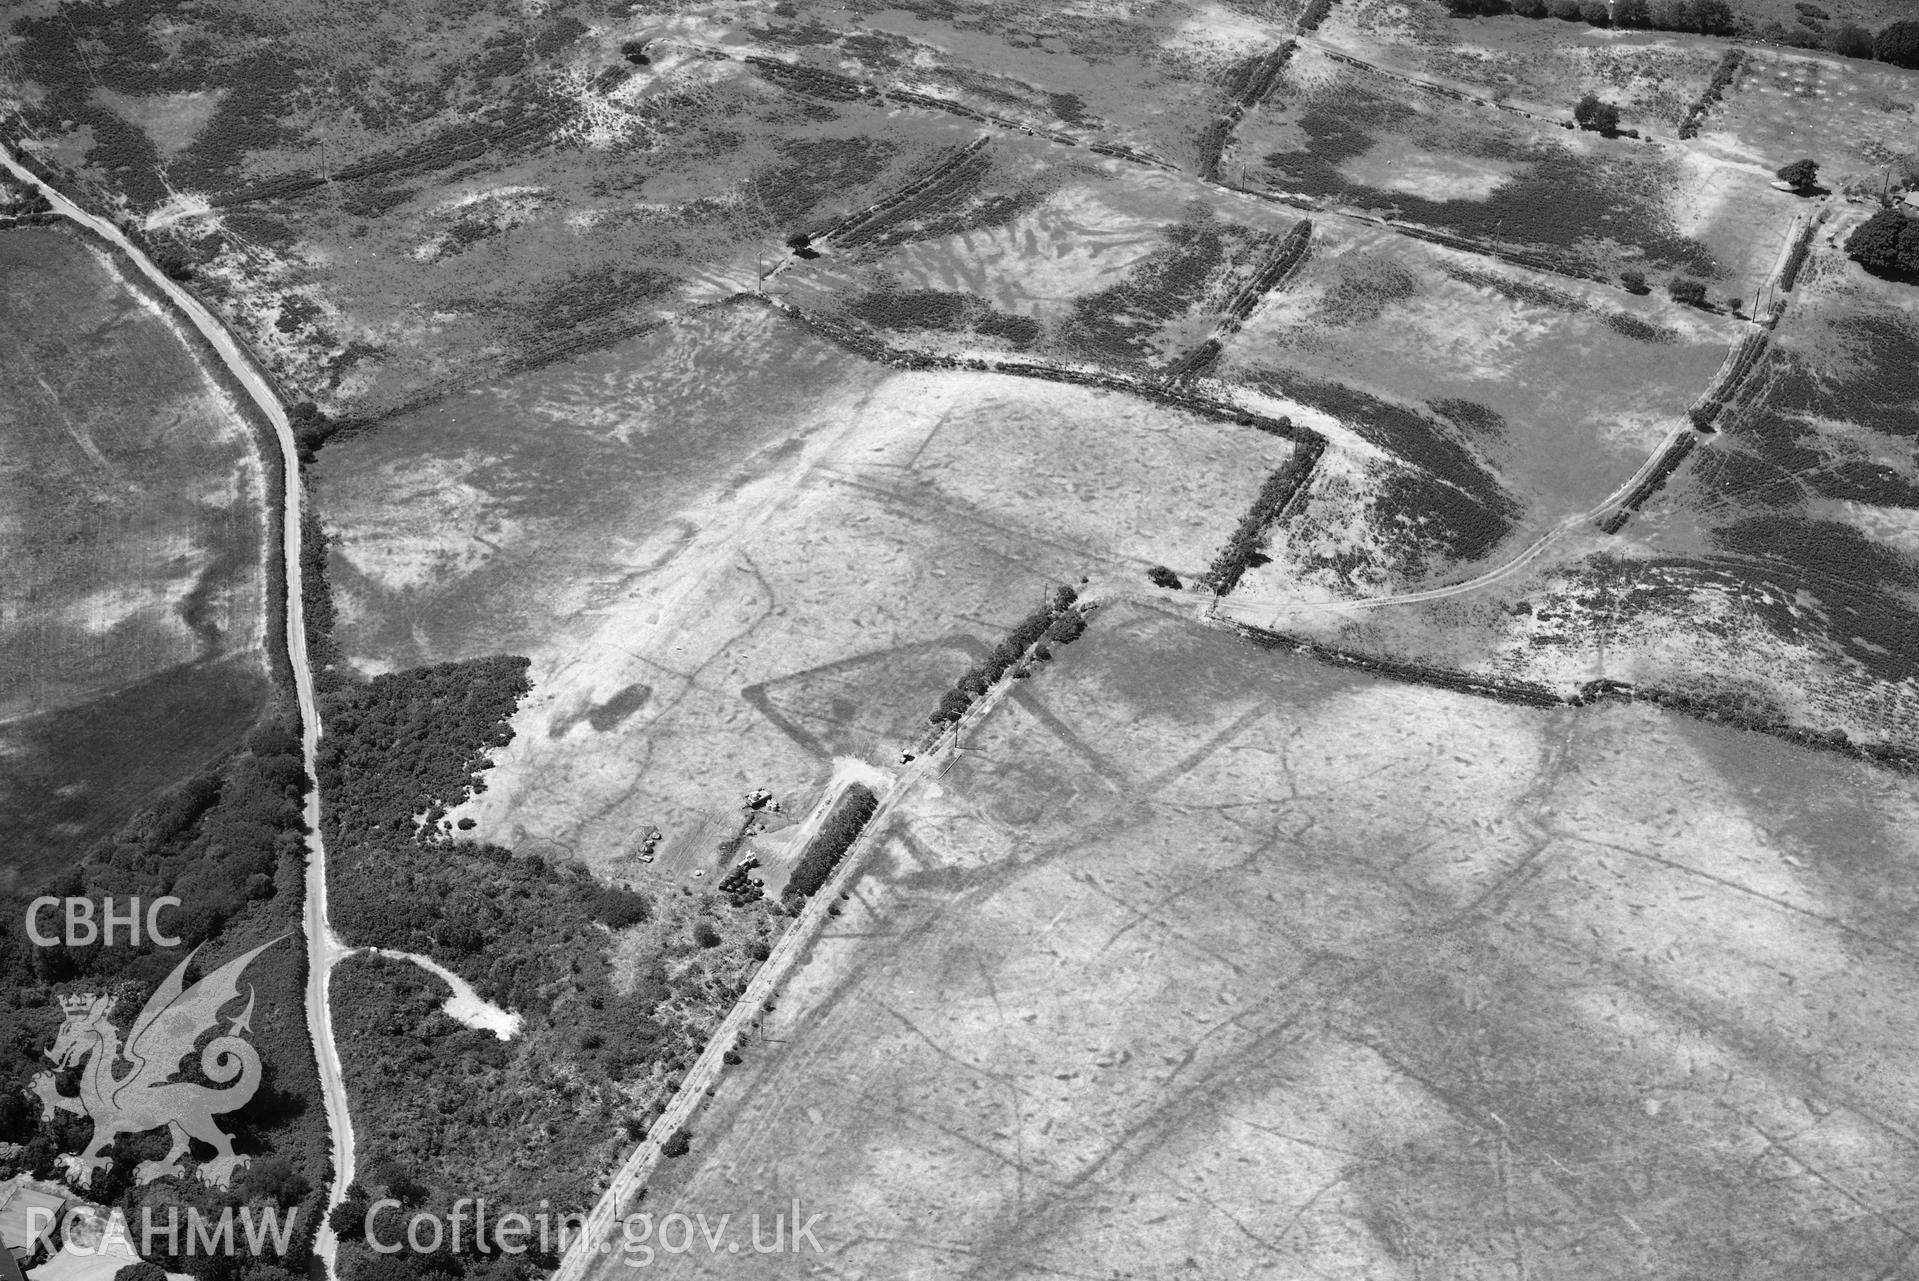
(132, 534)
(1209, 962)
(734, 551)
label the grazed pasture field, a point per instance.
(132, 592)
(1219, 964)
(734, 551)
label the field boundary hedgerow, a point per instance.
(1509, 689)
(1438, 88)
(863, 343)
(1668, 461)
(1250, 84)
(1276, 500)
(934, 181)
(815, 82)
(1738, 366)
(1722, 75)
(1287, 255)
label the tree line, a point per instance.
(1896, 43)
(841, 827)
(1054, 623)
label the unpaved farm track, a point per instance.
(323, 946)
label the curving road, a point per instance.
(323, 946)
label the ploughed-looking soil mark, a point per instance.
(1315, 973)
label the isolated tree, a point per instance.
(1715, 17)
(1634, 280)
(1597, 115)
(1673, 15)
(1802, 174)
(1690, 292)
(1898, 44)
(1160, 576)
(678, 1144)
(1888, 242)
(1850, 41)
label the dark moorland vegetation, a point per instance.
(229, 845)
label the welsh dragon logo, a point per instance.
(143, 1095)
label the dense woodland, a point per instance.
(444, 1111)
(229, 845)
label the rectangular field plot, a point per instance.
(1554, 389)
(1089, 260)
(1545, 67)
(1148, 78)
(1361, 139)
(1852, 117)
(1314, 974)
(733, 551)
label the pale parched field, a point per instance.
(132, 536)
(1213, 962)
(724, 585)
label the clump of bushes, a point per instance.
(1160, 576)
(1688, 291)
(1801, 175)
(617, 907)
(1888, 242)
(1597, 115)
(837, 833)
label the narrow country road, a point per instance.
(323, 946)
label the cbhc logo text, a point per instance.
(83, 928)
